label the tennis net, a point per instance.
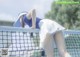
(72, 41)
(18, 42)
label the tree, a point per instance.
(67, 15)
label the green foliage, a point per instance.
(67, 15)
(69, 0)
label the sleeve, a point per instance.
(17, 24)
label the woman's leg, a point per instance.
(47, 45)
(59, 40)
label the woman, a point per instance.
(48, 32)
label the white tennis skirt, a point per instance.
(48, 26)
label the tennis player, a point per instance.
(48, 32)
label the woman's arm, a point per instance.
(32, 15)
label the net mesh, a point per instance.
(15, 42)
(72, 41)
(18, 42)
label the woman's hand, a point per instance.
(33, 27)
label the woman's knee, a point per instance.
(61, 52)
